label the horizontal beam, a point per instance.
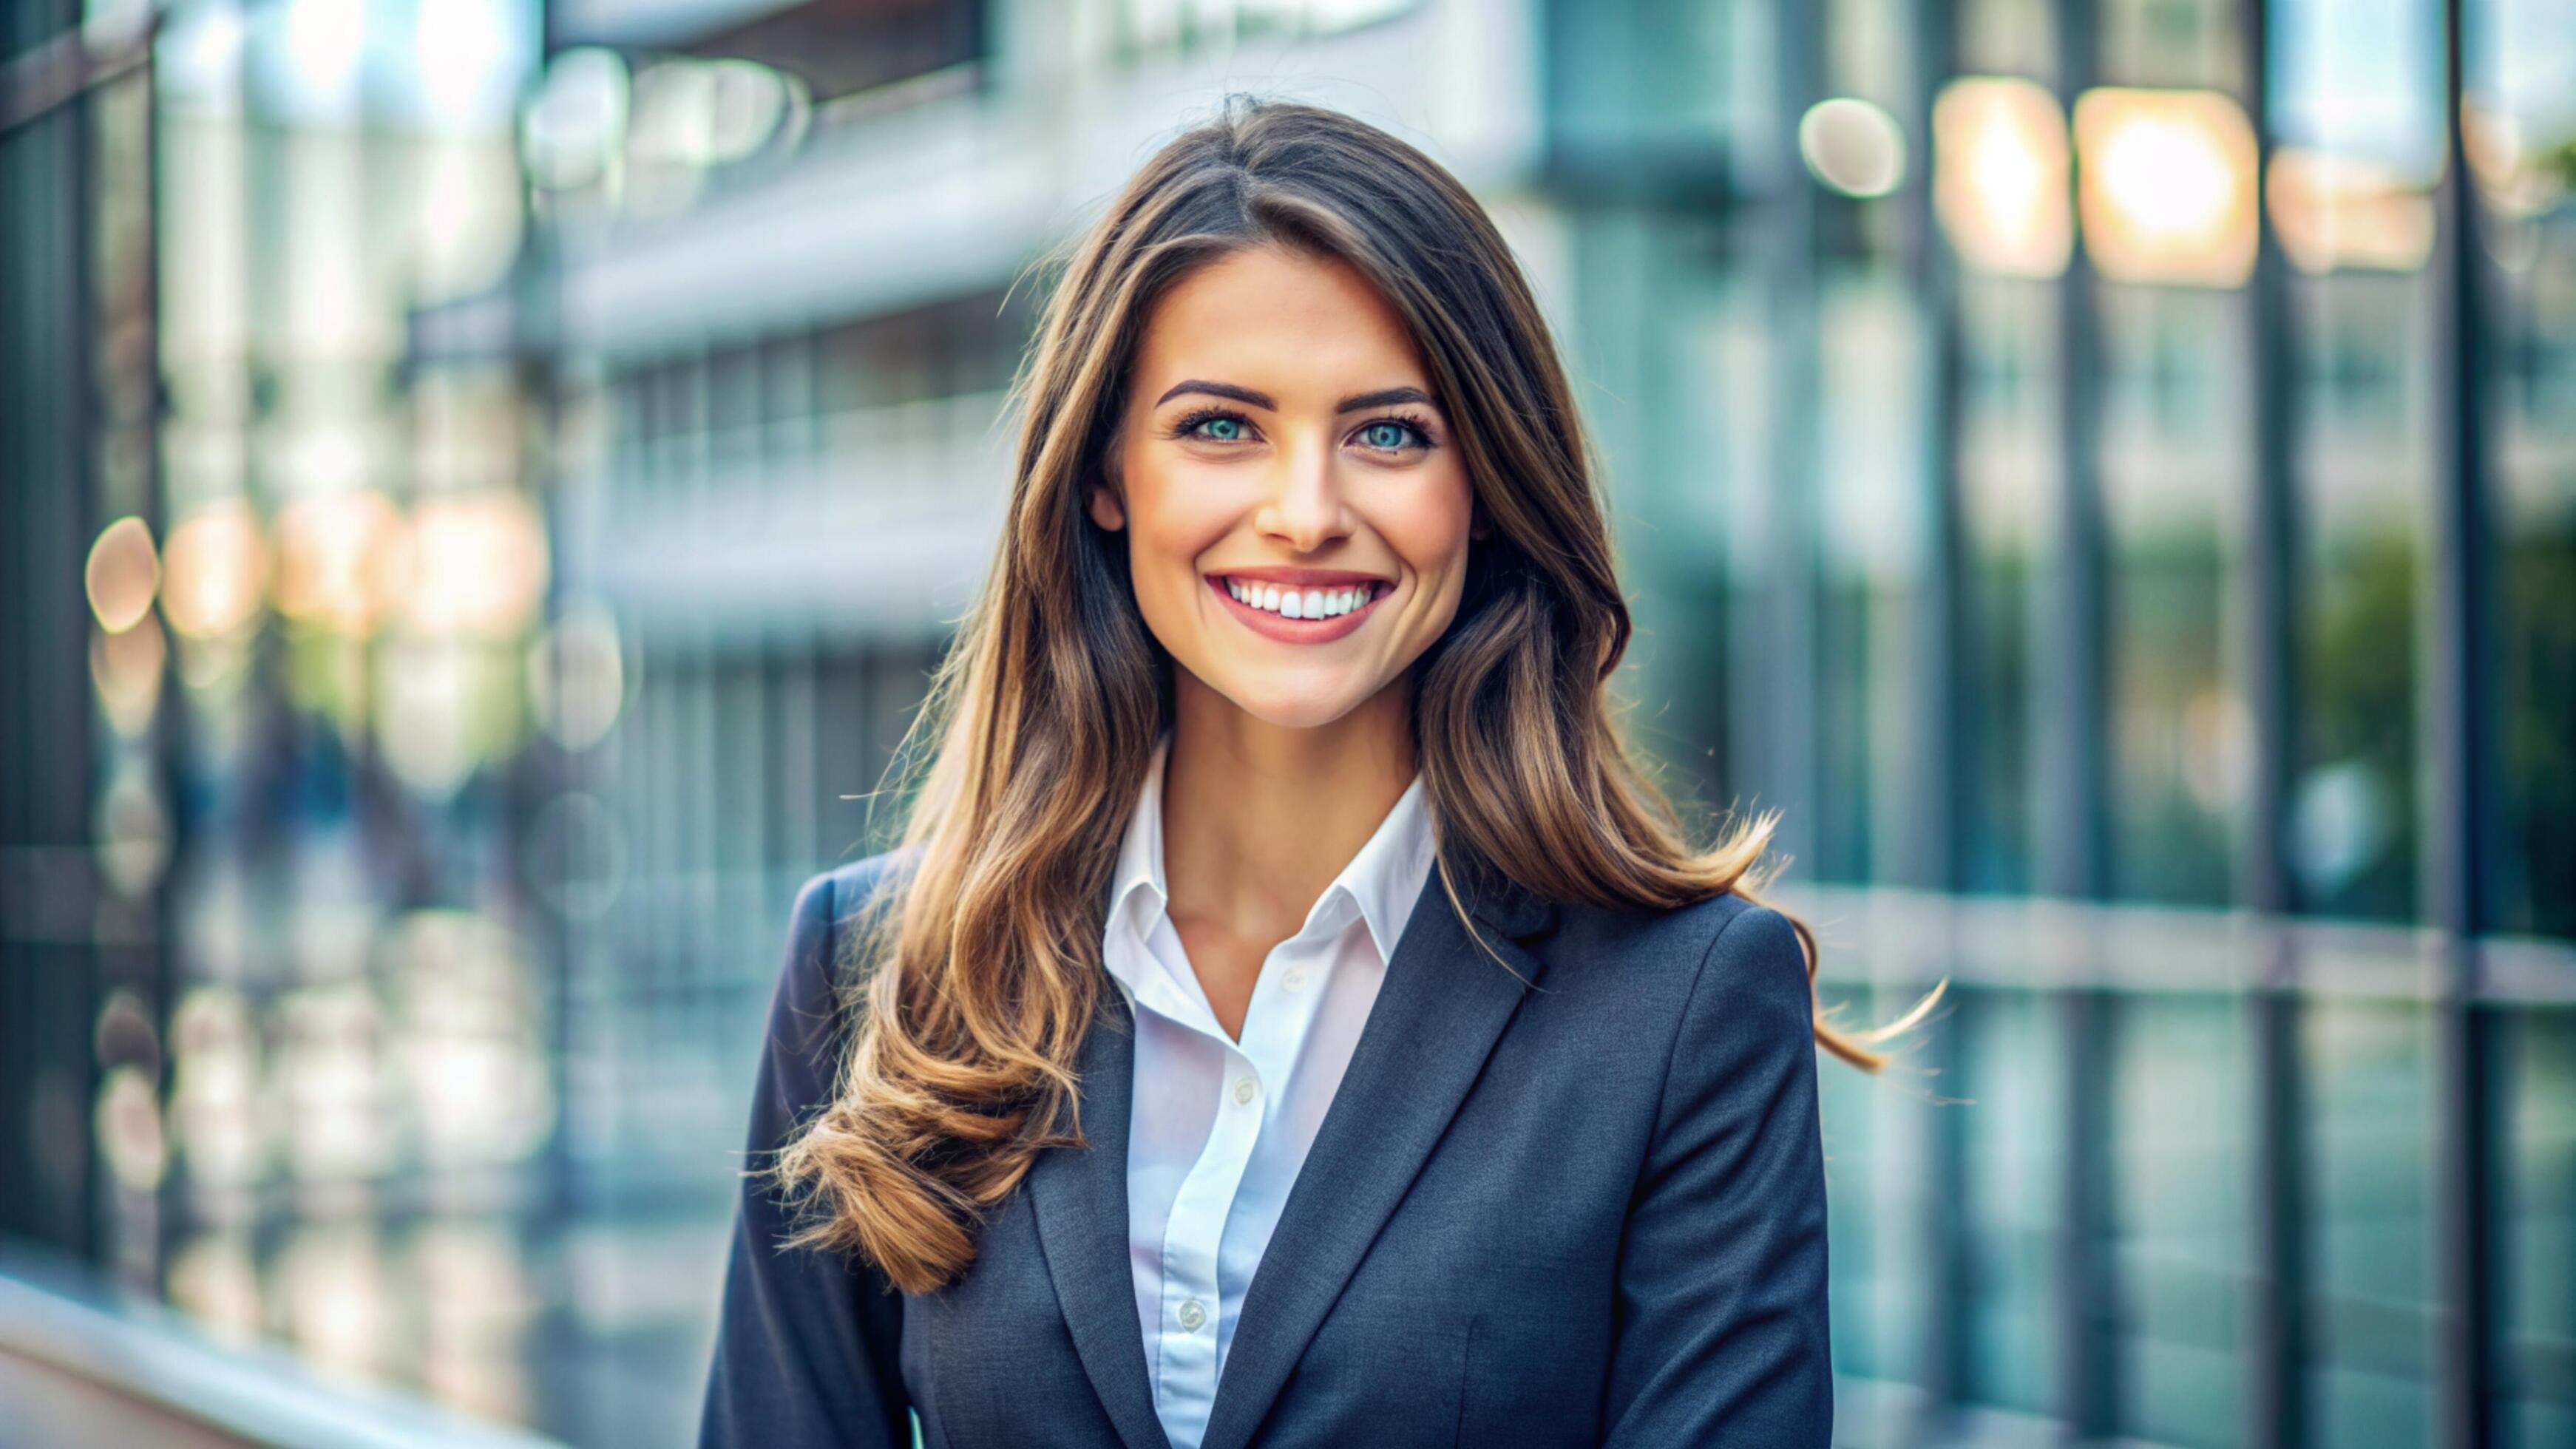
(1898, 937)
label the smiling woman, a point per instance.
(1289, 1014)
(1245, 458)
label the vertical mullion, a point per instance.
(1936, 792)
(169, 719)
(2071, 824)
(1792, 678)
(2460, 783)
(2277, 1288)
(2073, 864)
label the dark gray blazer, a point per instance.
(1588, 1209)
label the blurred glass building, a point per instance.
(484, 482)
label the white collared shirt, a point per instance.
(1219, 1127)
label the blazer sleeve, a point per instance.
(807, 1342)
(1721, 1282)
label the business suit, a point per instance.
(1589, 1208)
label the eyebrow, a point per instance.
(1384, 397)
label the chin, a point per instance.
(1292, 703)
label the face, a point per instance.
(1297, 517)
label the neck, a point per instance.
(1258, 818)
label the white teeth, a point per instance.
(1300, 603)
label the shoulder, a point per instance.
(806, 1006)
(831, 897)
(1725, 934)
(1714, 977)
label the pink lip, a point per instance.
(1295, 631)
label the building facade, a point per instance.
(2104, 470)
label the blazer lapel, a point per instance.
(1081, 1202)
(1441, 1008)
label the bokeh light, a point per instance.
(477, 566)
(123, 574)
(2001, 175)
(2339, 213)
(341, 561)
(215, 571)
(1853, 146)
(2167, 188)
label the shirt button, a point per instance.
(1193, 1313)
(1243, 1090)
(1295, 980)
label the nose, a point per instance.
(1303, 507)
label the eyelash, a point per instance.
(1187, 422)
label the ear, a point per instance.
(1106, 510)
(1106, 501)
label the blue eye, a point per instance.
(1382, 435)
(1213, 425)
(1391, 435)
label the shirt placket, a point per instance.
(1256, 1070)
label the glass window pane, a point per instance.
(2180, 1095)
(2522, 64)
(2365, 480)
(2370, 1085)
(2176, 450)
(2356, 95)
(1872, 481)
(2008, 479)
(2013, 1077)
(2538, 1341)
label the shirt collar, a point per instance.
(1383, 880)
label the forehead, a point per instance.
(1290, 324)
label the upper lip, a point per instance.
(1302, 578)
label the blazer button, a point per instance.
(1193, 1313)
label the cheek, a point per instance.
(1171, 523)
(1427, 526)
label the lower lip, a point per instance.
(1296, 631)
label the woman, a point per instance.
(1289, 1017)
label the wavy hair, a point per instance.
(970, 985)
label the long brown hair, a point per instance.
(972, 982)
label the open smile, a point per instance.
(1301, 606)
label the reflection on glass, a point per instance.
(2013, 1077)
(2179, 1161)
(2175, 460)
(2337, 212)
(2522, 73)
(1870, 470)
(2365, 479)
(2008, 474)
(2539, 1227)
(2371, 1159)
(2357, 93)
(1879, 1137)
